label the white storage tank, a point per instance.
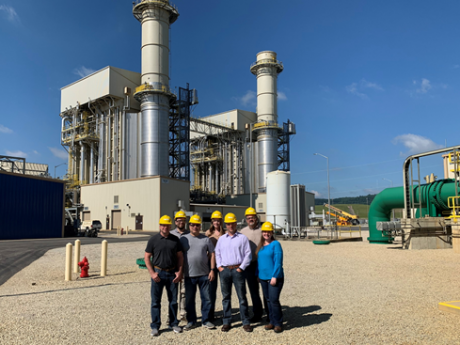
(278, 185)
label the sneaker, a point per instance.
(189, 326)
(209, 325)
(177, 329)
(155, 333)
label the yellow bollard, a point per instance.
(68, 262)
(127, 230)
(104, 258)
(77, 256)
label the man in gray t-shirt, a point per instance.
(199, 262)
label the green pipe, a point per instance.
(434, 201)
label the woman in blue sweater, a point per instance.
(271, 276)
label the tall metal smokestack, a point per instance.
(267, 68)
(154, 93)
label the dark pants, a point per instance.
(156, 291)
(212, 295)
(272, 295)
(190, 293)
(227, 278)
(253, 286)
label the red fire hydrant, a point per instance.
(121, 231)
(84, 267)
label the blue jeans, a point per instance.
(190, 293)
(253, 286)
(212, 295)
(156, 290)
(272, 295)
(227, 278)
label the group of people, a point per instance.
(183, 261)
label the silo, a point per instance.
(278, 193)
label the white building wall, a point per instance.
(149, 197)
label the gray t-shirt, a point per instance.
(196, 249)
(176, 233)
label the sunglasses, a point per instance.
(194, 224)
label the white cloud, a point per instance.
(59, 153)
(83, 71)
(4, 129)
(415, 144)
(317, 194)
(11, 14)
(425, 86)
(16, 153)
(35, 152)
(353, 89)
(282, 96)
(370, 85)
(248, 99)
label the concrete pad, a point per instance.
(453, 307)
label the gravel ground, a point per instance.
(343, 293)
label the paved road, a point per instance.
(17, 254)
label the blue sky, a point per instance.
(366, 82)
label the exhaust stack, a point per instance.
(266, 69)
(154, 94)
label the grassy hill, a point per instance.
(360, 210)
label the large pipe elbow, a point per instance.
(380, 211)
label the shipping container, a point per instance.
(31, 207)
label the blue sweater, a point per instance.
(270, 261)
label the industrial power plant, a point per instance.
(136, 152)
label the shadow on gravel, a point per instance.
(69, 289)
(297, 317)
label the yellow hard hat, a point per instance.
(180, 214)
(216, 215)
(267, 226)
(195, 219)
(230, 218)
(165, 220)
(250, 212)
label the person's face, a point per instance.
(217, 223)
(251, 220)
(164, 229)
(180, 223)
(194, 229)
(231, 227)
(267, 235)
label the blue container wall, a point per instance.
(30, 208)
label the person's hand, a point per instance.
(273, 282)
(220, 268)
(211, 276)
(155, 277)
(239, 270)
(178, 277)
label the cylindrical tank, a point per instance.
(278, 209)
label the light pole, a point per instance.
(391, 187)
(56, 167)
(328, 187)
